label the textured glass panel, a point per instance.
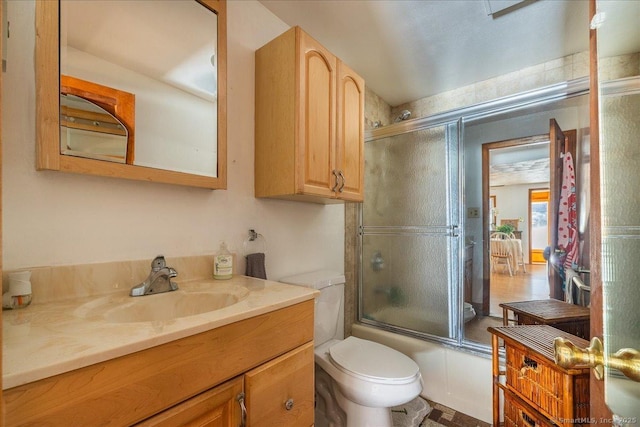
(620, 179)
(620, 154)
(405, 281)
(622, 301)
(406, 179)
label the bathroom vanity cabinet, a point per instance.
(309, 130)
(266, 360)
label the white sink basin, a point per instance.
(159, 307)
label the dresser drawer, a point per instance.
(519, 414)
(548, 389)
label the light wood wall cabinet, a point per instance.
(266, 361)
(309, 130)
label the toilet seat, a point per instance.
(373, 362)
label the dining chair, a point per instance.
(501, 246)
(519, 255)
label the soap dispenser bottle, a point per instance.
(223, 263)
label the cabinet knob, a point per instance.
(288, 404)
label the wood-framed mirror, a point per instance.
(191, 151)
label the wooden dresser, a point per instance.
(537, 392)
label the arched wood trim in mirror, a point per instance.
(118, 103)
(48, 157)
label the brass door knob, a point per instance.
(568, 355)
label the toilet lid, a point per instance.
(372, 360)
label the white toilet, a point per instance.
(364, 378)
(469, 312)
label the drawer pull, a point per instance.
(527, 364)
(288, 405)
(341, 189)
(527, 419)
(335, 174)
(243, 408)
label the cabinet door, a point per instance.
(217, 407)
(315, 157)
(350, 137)
(281, 392)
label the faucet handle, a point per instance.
(158, 263)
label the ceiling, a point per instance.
(409, 49)
(130, 34)
(518, 165)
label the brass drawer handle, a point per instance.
(528, 364)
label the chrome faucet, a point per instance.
(158, 281)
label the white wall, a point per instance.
(54, 218)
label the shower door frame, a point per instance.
(541, 96)
(451, 229)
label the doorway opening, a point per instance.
(538, 224)
(511, 170)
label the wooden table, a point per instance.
(571, 318)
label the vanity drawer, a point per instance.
(216, 407)
(281, 392)
(131, 388)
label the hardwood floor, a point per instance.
(531, 285)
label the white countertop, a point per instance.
(48, 339)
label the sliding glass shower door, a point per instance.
(409, 232)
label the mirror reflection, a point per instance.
(165, 53)
(88, 130)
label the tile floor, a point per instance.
(442, 416)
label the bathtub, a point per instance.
(457, 379)
(415, 319)
(418, 319)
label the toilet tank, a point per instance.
(329, 305)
